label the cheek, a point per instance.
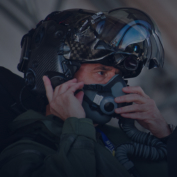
(84, 77)
(80, 77)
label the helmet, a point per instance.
(125, 38)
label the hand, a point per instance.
(62, 101)
(144, 110)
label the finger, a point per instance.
(62, 88)
(137, 90)
(75, 87)
(48, 88)
(131, 98)
(131, 108)
(137, 115)
(80, 96)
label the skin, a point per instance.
(144, 110)
(64, 103)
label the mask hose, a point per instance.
(144, 145)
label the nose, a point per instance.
(112, 73)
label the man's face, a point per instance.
(95, 73)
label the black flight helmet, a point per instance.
(125, 38)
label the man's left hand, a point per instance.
(144, 110)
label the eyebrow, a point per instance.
(102, 68)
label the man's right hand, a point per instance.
(62, 101)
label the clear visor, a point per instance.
(124, 31)
(140, 37)
(140, 41)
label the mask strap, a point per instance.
(97, 87)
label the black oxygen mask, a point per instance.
(98, 102)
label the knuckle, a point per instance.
(141, 98)
(64, 97)
(60, 99)
(139, 88)
(147, 96)
(52, 110)
(143, 107)
(123, 109)
(139, 115)
(58, 88)
(136, 97)
(151, 115)
(120, 108)
(52, 105)
(138, 107)
(152, 103)
(124, 98)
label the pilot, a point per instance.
(84, 58)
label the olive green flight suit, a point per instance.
(49, 147)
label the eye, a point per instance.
(101, 73)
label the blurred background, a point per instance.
(17, 17)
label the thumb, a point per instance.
(80, 96)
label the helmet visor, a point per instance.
(123, 30)
(141, 31)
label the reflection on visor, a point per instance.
(151, 47)
(134, 35)
(136, 30)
